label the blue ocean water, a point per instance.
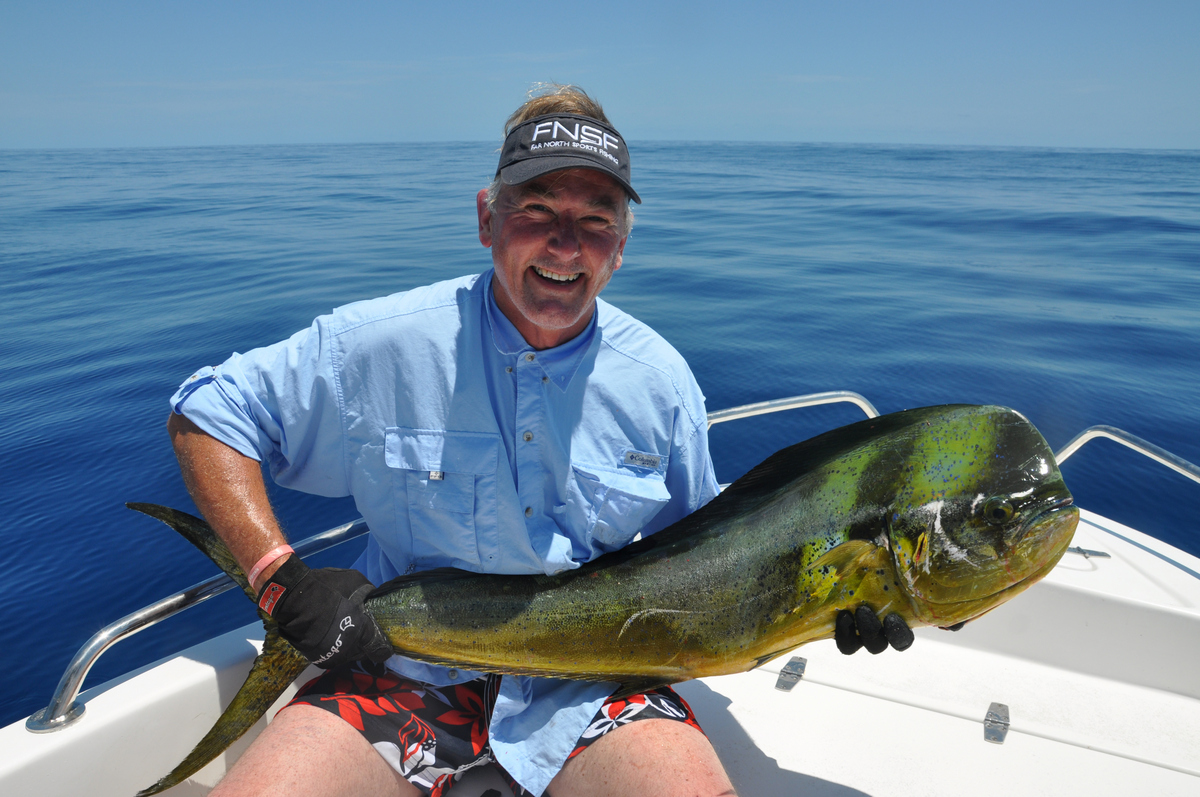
(1063, 283)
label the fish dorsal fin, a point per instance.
(436, 576)
(781, 469)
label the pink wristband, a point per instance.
(268, 558)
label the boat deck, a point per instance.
(1096, 665)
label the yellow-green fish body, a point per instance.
(891, 512)
(936, 514)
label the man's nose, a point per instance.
(564, 238)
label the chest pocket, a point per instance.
(613, 507)
(445, 484)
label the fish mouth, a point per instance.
(1066, 502)
(556, 277)
(1029, 560)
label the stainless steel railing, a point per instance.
(1144, 447)
(64, 709)
(778, 405)
(1159, 455)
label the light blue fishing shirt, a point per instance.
(465, 447)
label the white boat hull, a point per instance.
(1097, 664)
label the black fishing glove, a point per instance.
(863, 629)
(321, 613)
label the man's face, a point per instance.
(556, 240)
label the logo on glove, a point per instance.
(270, 597)
(332, 651)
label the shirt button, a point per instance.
(453, 675)
(508, 370)
(528, 358)
(545, 379)
(528, 511)
(527, 436)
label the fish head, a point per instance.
(980, 512)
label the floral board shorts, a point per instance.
(433, 734)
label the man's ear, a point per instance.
(485, 217)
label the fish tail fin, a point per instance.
(274, 670)
(200, 534)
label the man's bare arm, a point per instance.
(321, 612)
(228, 488)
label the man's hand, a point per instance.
(863, 629)
(321, 613)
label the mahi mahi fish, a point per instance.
(937, 514)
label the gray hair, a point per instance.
(546, 98)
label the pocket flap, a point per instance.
(436, 450)
(620, 504)
(647, 486)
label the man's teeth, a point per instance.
(550, 275)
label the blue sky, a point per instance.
(1070, 74)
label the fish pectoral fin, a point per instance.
(853, 572)
(637, 686)
(848, 557)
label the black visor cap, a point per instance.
(564, 141)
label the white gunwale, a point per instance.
(1097, 665)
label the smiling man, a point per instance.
(507, 422)
(556, 241)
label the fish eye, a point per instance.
(997, 511)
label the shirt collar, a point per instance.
(559, 363)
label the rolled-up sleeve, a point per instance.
(277, 404)
(690, 477)
(692, 474)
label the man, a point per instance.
(507, 422)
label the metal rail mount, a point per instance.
(64, 709)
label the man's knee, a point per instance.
(308, 751)
(650, 758)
